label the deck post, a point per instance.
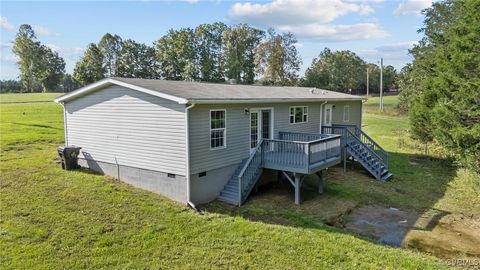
(344, 160)
(298, 185)
(320, 181)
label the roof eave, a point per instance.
(259, 100)
(109, 81)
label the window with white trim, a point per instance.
(298, 114)
(346, 113)
(217, 129)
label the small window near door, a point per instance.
(298, 114)
(217, 129)
(346, 113)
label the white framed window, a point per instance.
(218, 129)
(298, 114)
(346, 113)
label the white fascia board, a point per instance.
(108, 81)
(237, 101)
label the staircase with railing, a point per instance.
(363, 149)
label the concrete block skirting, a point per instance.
(207, 188)
(154, 181)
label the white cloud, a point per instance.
(298, 45)
(8, 58)
(5, 25)
(6, 45)
(295, 12)
(400, 46)
(70, 53)
(326, 33)
(392, 53)
(412, 7)
(311, 19)
(43, 31)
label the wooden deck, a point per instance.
(293, 152)
(302, 152)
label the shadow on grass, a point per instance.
(37, 125)
(418, 184)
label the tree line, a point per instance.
(345, 71)
(441, 87)
(41, 68)
(210, 52)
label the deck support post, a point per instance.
(344, 160)
(298, 186)
(320, 181)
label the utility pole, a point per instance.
(381, 84)
(367, 82)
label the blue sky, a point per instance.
(370, 28)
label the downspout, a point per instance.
(321, 115)
(361, 113)
(65, 131)
(187, 144)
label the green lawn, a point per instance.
(76, 219)
(28, 97)
(390, 103)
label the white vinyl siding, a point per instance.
(346, 113)
(123, 126)
(298, 114)
(218, 134)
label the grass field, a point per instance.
(55, 219)
(390, 103)
(28, 97)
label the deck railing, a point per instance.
(300, 136)
(250, 172)
(290, 155)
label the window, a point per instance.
(298, 114)
(346, 113)
(217, 129)
(202, 174)
(171, 175)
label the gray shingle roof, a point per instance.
(199, 91)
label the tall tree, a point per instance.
(240, 44)
(29, 51)
(90, 68)
(444, 80)
(210, 51)
(110, 47)
(68, 84)
(277, 58)
(338, 71)
(137, 60)
(51, 69)
(177, 55)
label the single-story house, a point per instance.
(195, 142)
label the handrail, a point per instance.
(358, 130)
(370, 150)
(373, 142)
(250, 158)
(377, 149)
(245, 167)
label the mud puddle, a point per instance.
(439, 233)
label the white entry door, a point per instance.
(328, 115)
(261, 126)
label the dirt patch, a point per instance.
(439, 233)
(445, 235)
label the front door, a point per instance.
(328, 115)
(261, 126)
